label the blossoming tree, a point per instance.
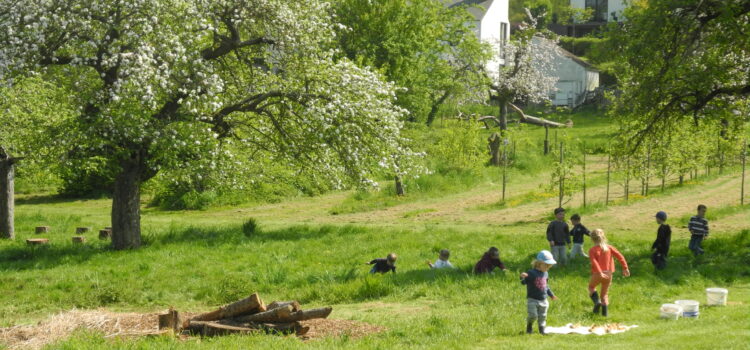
(527, 75)
(155, 83)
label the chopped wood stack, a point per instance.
(246, 316)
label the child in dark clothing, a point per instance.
(558, 235)
(577, 232)
(384, 265)
(661, 244)
(537, 291)
(489, 261)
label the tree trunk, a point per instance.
(251, 304)
(399, 186)
(7, 177)
(503, 115)
(126, 210)
(435, 107)
(494, 144)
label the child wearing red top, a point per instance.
(602, 268)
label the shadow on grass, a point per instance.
(19, 256)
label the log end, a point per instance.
(79, 239)
(37, 241)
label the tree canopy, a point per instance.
(682, 60)
(155, 84)
(428, 49)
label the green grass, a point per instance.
(196, 267)
(196, 260)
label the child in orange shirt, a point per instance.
(602, 268)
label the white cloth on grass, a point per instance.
(569, 329)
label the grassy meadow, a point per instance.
(314, 249)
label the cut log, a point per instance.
(41, 229)
(80, 230)
(79, 239)
(37, 241)
(525, 118)
(249, 305)
(211, 329)
(170, 320)
(105, 234)
(304, 315)
(285, 328)
(276, 304)
(279, 314)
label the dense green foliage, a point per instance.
(429, 50)
(693, 68)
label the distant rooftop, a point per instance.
(476, 7)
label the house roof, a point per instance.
(478, 8)
(570, 55)
(577, 59)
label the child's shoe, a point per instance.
(529, 329)
(541, 330)
(595, 299)
(604, 310)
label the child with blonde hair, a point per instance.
(602, 269)
(537, 290)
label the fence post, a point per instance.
(744, 159)
(648, 170)
(562, 174)
(505, 167)
(627, 178)
(609, 169)
(584, 175)
(546, 140)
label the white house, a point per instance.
(492, 25)
(576, 78)
(604, 10)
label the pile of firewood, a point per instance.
(249, 315)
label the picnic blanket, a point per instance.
(611, 328)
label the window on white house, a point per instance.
(600, 9)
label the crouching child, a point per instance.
(381, 265)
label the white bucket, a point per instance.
(671, 311)
(689, 307)
(716, 296)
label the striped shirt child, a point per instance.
(698, 226)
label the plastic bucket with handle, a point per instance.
(716, 296)
(689, 307)
(670, 311)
